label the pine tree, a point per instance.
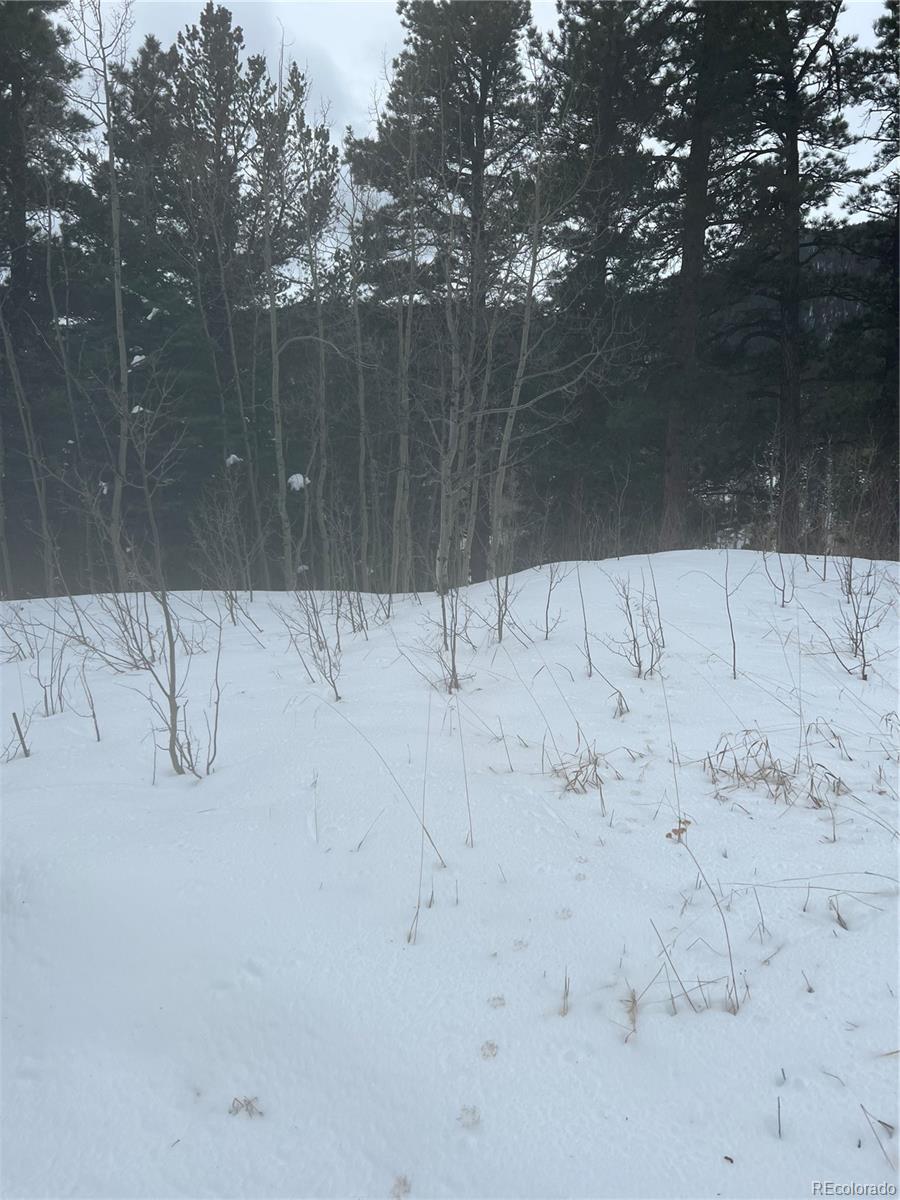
(449, 151)
(703, 127)
(38, 127)
(869, 346)
(606, 61)
(802, 67)
(292, 182)
(36, 123)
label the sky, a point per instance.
(345, 49)
(346, 46)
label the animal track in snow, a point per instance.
(469, 1117)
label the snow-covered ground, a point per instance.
(675, 977)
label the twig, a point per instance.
(25, 749)
(674, 968)
(871, 1120)
(470, 839)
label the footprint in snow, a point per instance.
(489, 1049)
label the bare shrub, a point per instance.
(863, 611)
(312, 641)
(143, 632)
(782, 582)
(556, 573)
(643, 643)
(22, 636)
(50, 670)
(503, 596)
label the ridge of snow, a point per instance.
(210, 987)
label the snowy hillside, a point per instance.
(567, 932)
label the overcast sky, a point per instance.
(346, 46)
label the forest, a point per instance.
(627, 287)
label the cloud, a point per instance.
(345, 47)
(341, 47)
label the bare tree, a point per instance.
(36, 467)
(102, 34)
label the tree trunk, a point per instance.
(249, 455)
(35, 461)
(788, 539)
(401, 526)
(401, 537)
(362, 472)
(683, 390)
(884, 466)
(120, 558)
(321, 471)
(281, 485)
(17, 213)
(62, 349)
(5, 565)
(500, 552)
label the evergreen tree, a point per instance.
(707, 85)
(589, 294)
(37, 126)
(802, 68)
(450, 152)
(606, 60)
(38, 129)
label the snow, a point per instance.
(138, 408)
(152, 314)
(138, 359)
(297, 482)
(232, 460)
(208, 987)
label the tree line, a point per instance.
(620, 288)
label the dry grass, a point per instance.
(567, 985)
(745, 760)
(631, 1004)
